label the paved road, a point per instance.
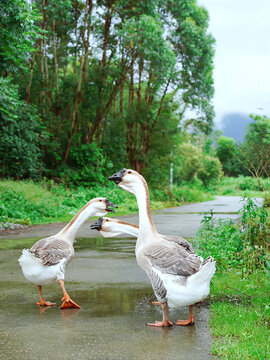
(115, 296)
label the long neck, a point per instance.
(70, 230)
(127, 228)
(146, 223)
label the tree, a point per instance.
(254, 153)
(189, 159)
(18, 34)
(225, 148)
(101, 65)
(19, 135)
(209, 170)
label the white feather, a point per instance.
(35, 272)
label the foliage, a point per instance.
(20, 131)
(109, 75)
(241, 185)
(86, 166)
(18, 34)
(209, 170)
(194, 161)
(254, 153)
(27, 202)
(224, 149)
(189, 158)
(259, 130)
(240, 315)
(241, 245)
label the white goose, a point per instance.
(46, 261)
(179, 278)
(111, 227)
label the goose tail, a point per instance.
(206, 271)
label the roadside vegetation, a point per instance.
(240, 290)
(29, 203)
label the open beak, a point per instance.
(97, 225)
(117, 177)
(109, 203)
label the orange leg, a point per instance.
(67, 302)
(165, 322)
(42, 301)
(190, 320)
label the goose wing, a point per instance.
(180, 241)
(172, 259)
(52, 250)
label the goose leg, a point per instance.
(190, 320)
(67, 302)
(42, 301)
(165, 321)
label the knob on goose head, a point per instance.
(97, 225)
(117, 177)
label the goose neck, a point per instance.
(69, 232)
(146, 223)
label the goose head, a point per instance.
(127, 179)
(105, 226)
(109, 227)
(101, 206)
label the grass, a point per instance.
(26, 202)
(240, 290)
(241, 186)
(240, 317)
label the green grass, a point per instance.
(240, 316)
(27, 202)
(241, 186)
(240, 289)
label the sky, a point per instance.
(242, 59)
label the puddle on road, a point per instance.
(115, 297)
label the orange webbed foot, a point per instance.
(45, 303)
(167, 323)
(68, 303)
(185, 322)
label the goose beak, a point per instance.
(97, 225)
(109, 203)
(117, 177)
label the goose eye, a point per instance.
(100, 200)
(129, 172)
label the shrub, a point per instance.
(210, 170)
(241, 244)
(188, 162)
(86, 166)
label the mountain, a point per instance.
(234, 125)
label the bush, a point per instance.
(86, 166)
(209, 171)
(188, 162)
(240, 245)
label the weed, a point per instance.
(238, 244)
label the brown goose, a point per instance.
(47, 259)
(177, 276)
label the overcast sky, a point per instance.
(242, 60)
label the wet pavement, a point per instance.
(115, 296)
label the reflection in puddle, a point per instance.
(115, 299)
(119, 245)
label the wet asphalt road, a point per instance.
(114, 294)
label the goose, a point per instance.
(178, 277)
(47, 259)
(111, 227)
